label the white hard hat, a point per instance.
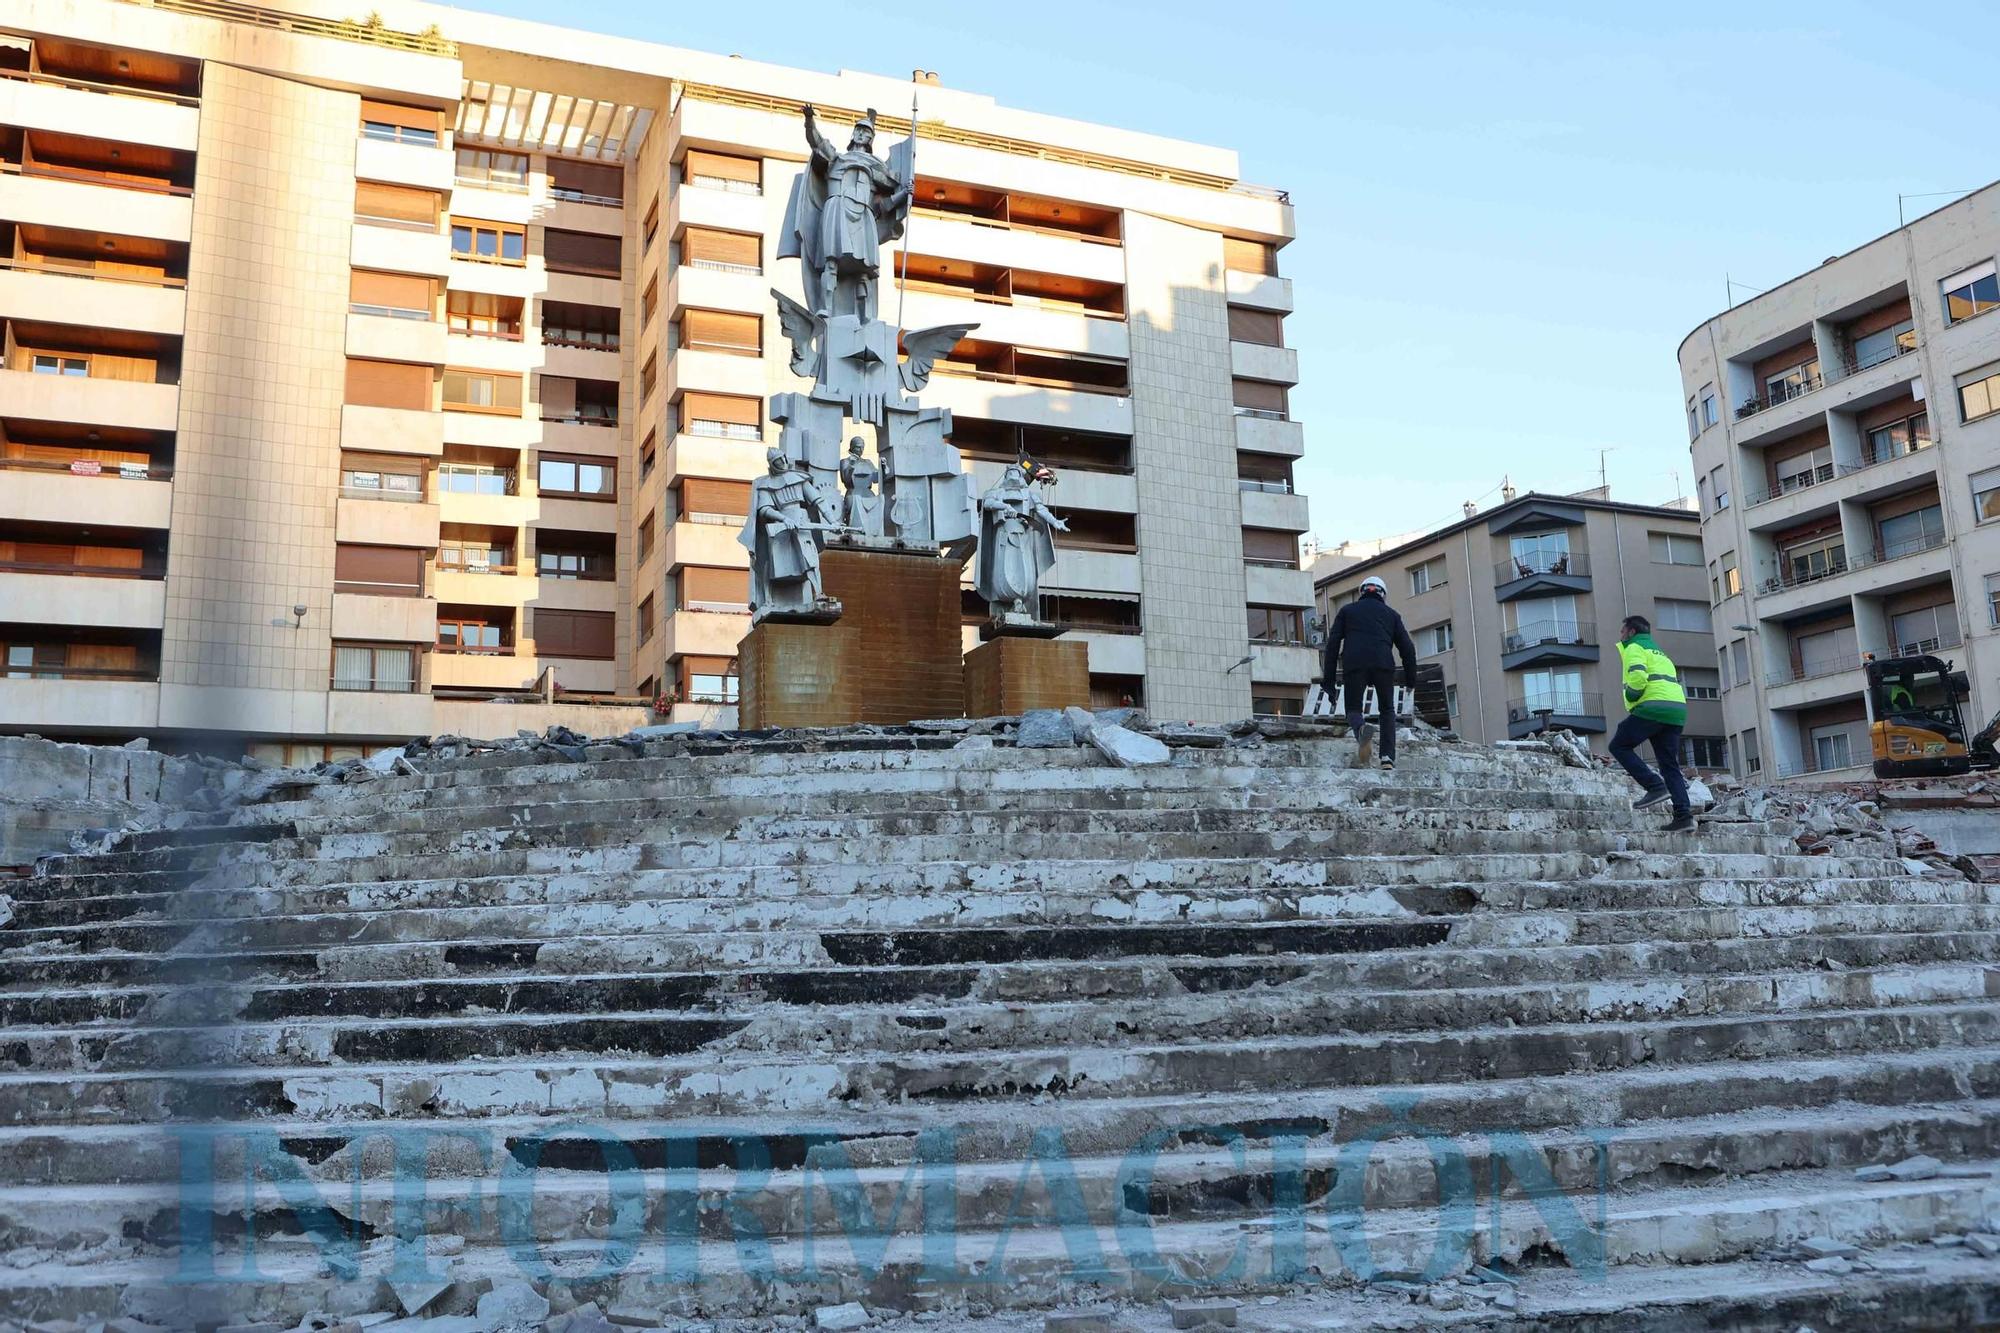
(1371, 582)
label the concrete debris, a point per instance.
(663, 730)
(455, 1323)
(1873, 1174)
(1204, 1314)
(512, 1305)
(850, 1315)
(413, 1297)
(1987, 1245)
(1826, 1247)
(1835, 1267)
(1915, 1168)
(1077, 1321)
(634, 1316)
(1127, 749)
(1081, 722)
(1043, 729)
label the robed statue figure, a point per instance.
(789, 516)
(1016, 546)
(843, 206)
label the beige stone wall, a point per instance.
(256, 469)
(1184, 456)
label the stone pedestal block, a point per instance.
(789, 675)
(1012, 674)
(906, 659)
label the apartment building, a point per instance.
(1845, 428)
(1521, 606)
(369, 379)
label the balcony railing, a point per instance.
(1780, 395)
(725, 185)
(948, 215)
(1825, 472)
(574, 196)
(1929, 541)
(576, 338)
(1853, 365)
(381, 493)
(1033, 381)
(91, 467)
(579, 419)
(145, 569)
(94, 274)
(1812, 669)
(1877, 457)
(1557, 564)
(1262, 484)
(1259, 562)
(1791, 577)
(88, 86)
(1557, 706)
(1263, 414)
(39, 672)
(1942, 642)
(721, 608)
(1800, 768)
(723, 430)
(416, 313)
(468, 650)
(1548, 632)
(1110, 627)
(372, 32)
(716, 520)
(720, 266)
(486, 181)
(476, 568)
(52, 172)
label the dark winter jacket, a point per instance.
(1372, 634)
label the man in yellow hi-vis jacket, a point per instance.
(1656, 708)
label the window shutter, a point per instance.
(580, 252)
(703, 583)
(1256, 326)
(381, 571)
(716, 328)
(103, 657)
(1261, 395)
(402, 203)
(1269, 544)
(409, 117)
(398, 291)
(1249, 256)
(700, 495)
(596, 178)
(388, 384)
(589, 634)
(701, 245)
(723, 167)
(721, 407)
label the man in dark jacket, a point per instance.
(1373, 635)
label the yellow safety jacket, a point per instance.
(1652, 685)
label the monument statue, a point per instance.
(861, 508)
(1016, 547)
(789, 518)
(843, 206)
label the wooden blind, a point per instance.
(590, 634)
(721, 407)
(700, 495)
(717, 328)
(380, 571)
(1256, 326)
(403, 203)
(398, 291)
(397, 464)
(705, 666)
(1269, 544)
(704, 583)
(103, 657)
(580, 252)
(388, 384)
(409, 117)
(597, 178)
(1261, 395)
(110, 557)
(723, 167)
(700, 244)
(1249, 256)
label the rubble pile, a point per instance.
(1153, 1025)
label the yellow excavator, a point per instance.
(1916, 719)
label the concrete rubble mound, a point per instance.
(918, 1026)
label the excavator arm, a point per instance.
(1985, 747)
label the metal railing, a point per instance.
(1814, 669)
(1799, 768)
(722, 430)
(91, 467)
(91, 272)
(1557, 564)
(579, 339)
(92, 86)
(467, 331)
(715, 520)
(722, 266)
(1937, 644)
(1263, 414)
(1853, 365)
(41, 672)
(1790, 577)
(489, 182)
(429, 42)
(1877, 457)
(381, 132)
(421, 316)
(580, 419)
(444, 567)
(724, 184)
(1035, 381)
(1541, 632)
(1791, 485)
(1262, 484)
(720, 608)
(1557, 706)
(1259, 562)
(1928, 541)
(575, 196)
(381, 493)
(1783, 393)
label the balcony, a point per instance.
(1906, 564)
(49, 289)
(1283, 664)
(1548, 641)
(89, 401)
(365, 617)
(1254, 361)
(705, 543)
(1802, 481)
(134, 495)
(374, 522)
(76, 699)
(1280, 510)
(1788, 392)
(1271, 583)
(108, 111)
(1260, 432)
(498, 671)
(421, 165)
(706, 630)
(1541, 574)
(83, 204)
(391, 430)
(1083, 570)
(83, 596)
(723, 209)
(1259, 291)
(988, 241)
(1575, 711)
(375, 335)
(393, 247)
(1024, 401)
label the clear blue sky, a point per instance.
(1509, 216)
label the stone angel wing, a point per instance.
(804, 329)
(923, 347)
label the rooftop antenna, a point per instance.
(1902, 221)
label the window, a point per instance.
(1541, 620)
(586, 478)
(378, 571)
(1972, 292)
(474, 557)
(400, 206)
(1803, 470)
(465, 634)
(491, 169)
(389, 123)
(1701, 495)
(1986, 495)
(720, 331)
(1265, 328)
(1694, 428)
(649, 231)
(707, 680)
(1811, 559)
(719, 171)
(372, 481)
(723, 251)
(388, 384)
(1704, 752)
(474, 479)
(586, 634)
(1832, 748)
(1980, 397)
(646, 526)
(649, 376)
(1993, 599)
(1732, 578)
(1710, 412)
(1718, 485)
(483, 315)
(1674, 548)
(482, 391)
(721, 415)
(1675, 613)
(648, 455)
(1243, 256)
(583, 252)
(1899, 438)
(1700, 683)
(1907, 534)
(395, 295)
(1714, 585)
(489, 242)
(1434, 639)
(649, 302)
(1428, 575)
(1558, 691)
(1540, 553)
(1825, 652)
(1275, 624)
(1927, 629)
(1747, 747)
(555, 561)
(1739, 661)
(647, 610)
(47, 364)
(1790, 383)
(1873, 349)
(568, 324)
(360, 666)
(601, 183)
(1451, 700)
(1729, 682)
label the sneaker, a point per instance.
(1366, 751)
(1681, 824)
(1388, 763)
(1652, 798)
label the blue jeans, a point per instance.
(1666, 738)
